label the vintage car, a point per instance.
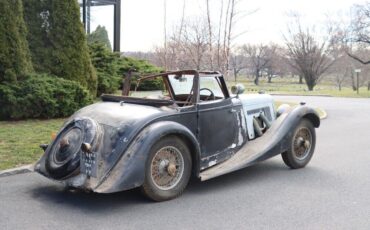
(191, 126)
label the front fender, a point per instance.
(129, 170)
(275, 141)
(282, 131)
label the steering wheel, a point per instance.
(212, 95)
(189, 98)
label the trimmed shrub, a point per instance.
(141, 67)
(57, 41)
(106, 65)
(15, 59)
(111, 69)
(41, 96)
(107, 83)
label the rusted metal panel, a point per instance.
(119, 133)
(275, 141)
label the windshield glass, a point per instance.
(181, 84)
(152, 88)
(210, 83)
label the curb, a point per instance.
(15, 171)
(303, 95)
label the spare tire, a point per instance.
(63, 156)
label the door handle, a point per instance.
(232, 111)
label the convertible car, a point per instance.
(191, 126)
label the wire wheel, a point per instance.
(167, 168)
(302, 146)
(302, 143)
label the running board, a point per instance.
(273, 142)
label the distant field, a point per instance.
(290, 86)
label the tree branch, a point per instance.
(357, 58)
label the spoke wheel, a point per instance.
(302, 146)
(168, 169)
(302, 143)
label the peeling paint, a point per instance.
(211, 163)
(126, 136)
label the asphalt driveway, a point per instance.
(332, 192)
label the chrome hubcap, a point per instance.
(302, 143)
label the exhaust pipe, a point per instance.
(265, 120)
(257, 127)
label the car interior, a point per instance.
(175, 90)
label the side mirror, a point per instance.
(237, 89)
(181, 78)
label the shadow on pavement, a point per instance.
(55, 194)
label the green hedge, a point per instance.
(111, 69)
(106, 64)
(41, 96)
(107, 83)
(142, 68)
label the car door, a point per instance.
(217, 129)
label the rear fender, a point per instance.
(129, 171)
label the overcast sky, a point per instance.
(142, 20)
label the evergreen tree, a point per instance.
(58, 42)
(36, 15)
(15, 58)
(99, 35)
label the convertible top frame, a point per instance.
(196, 84)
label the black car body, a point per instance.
(108, 146)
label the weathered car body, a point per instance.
(105, 147)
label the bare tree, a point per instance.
(194, 43)
(277, 64)
(218, 44)
(210, 35)
(227, 33)
(359, 30)
(238, 63)
(342, 70)
(309, 56)
(232, 17)
(165, 33)
(259, 58)
(200, 43)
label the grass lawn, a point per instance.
(290, 86)
(20, 140)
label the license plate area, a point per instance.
(88, 164)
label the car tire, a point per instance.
(168, 169)
(302, 145)
(59, 169)
(63, 156)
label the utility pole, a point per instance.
(358, 71)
